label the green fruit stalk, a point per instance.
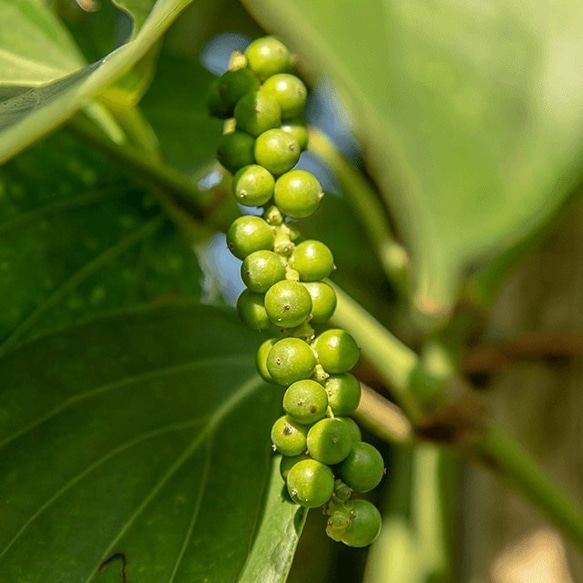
(323, 457)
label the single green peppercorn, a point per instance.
(289, 92)
(261, 270)
(365, 524)
(305, 401)
(257, 112)
(253, 185)
(236, 150)
(248, 234)
(288, 437)
(323, 301)
(313, 260)
(288, 303)
(329, 441)
(337, 350)
(298, 194)
(364, 467)
(268, 56)
(310, 483)
(344, 393)
(290, 360)
(277, 151)
(252, 312)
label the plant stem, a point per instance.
(361, 196)
(383, 418)
(509, 461)
(395, 362)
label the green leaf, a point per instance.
(26, 117)
(80, 237)
(470, 114)
(139, 441)
(34, 46)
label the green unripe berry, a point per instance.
(257, 112)
(234, 84)
(261, 360)
(298, 194)
(214, 102)
(288, 303)
(344, 393)
(364, 467)
(268, 56)
(313, 260)
(253, 185)
(251, 311)
(288, 437)
(290, 360)
(352, 427)
(261, 270)
(365, 524)
(337, 350)
(310, 483)
(289, 92)
(236, 150)
(277, 151)
(338, 524)
(248, 234)
(305, 401)
(287, 463)
(323, 301)
(298, 130)
(329, 441)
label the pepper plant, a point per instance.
(139, 407)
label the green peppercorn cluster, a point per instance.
(324, 459)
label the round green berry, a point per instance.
(310, 483)
(313, 260)
(257, 112)
(290, 360)
(268, 56)
(338, 523)
(298, 130)
(261, 270)
(234, 84)
(248, 234)
(298, 194)
(329, 441)
(251, 311)
(305, 401)
(277, 151)
(214, 102)
(287, 463)
(323, 301)
(289, 92)
(365, 524)
(364, 467)
(236, 150)
(253, 185)
(343, 392)
(288, 303)
(352, 427)
(337, 350)
(288, 437)
(261, 360)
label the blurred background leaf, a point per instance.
(470, 116)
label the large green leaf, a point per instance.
(26, 117)
(79, 237)
(470, 114)
(34, 46)
(141, 441)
